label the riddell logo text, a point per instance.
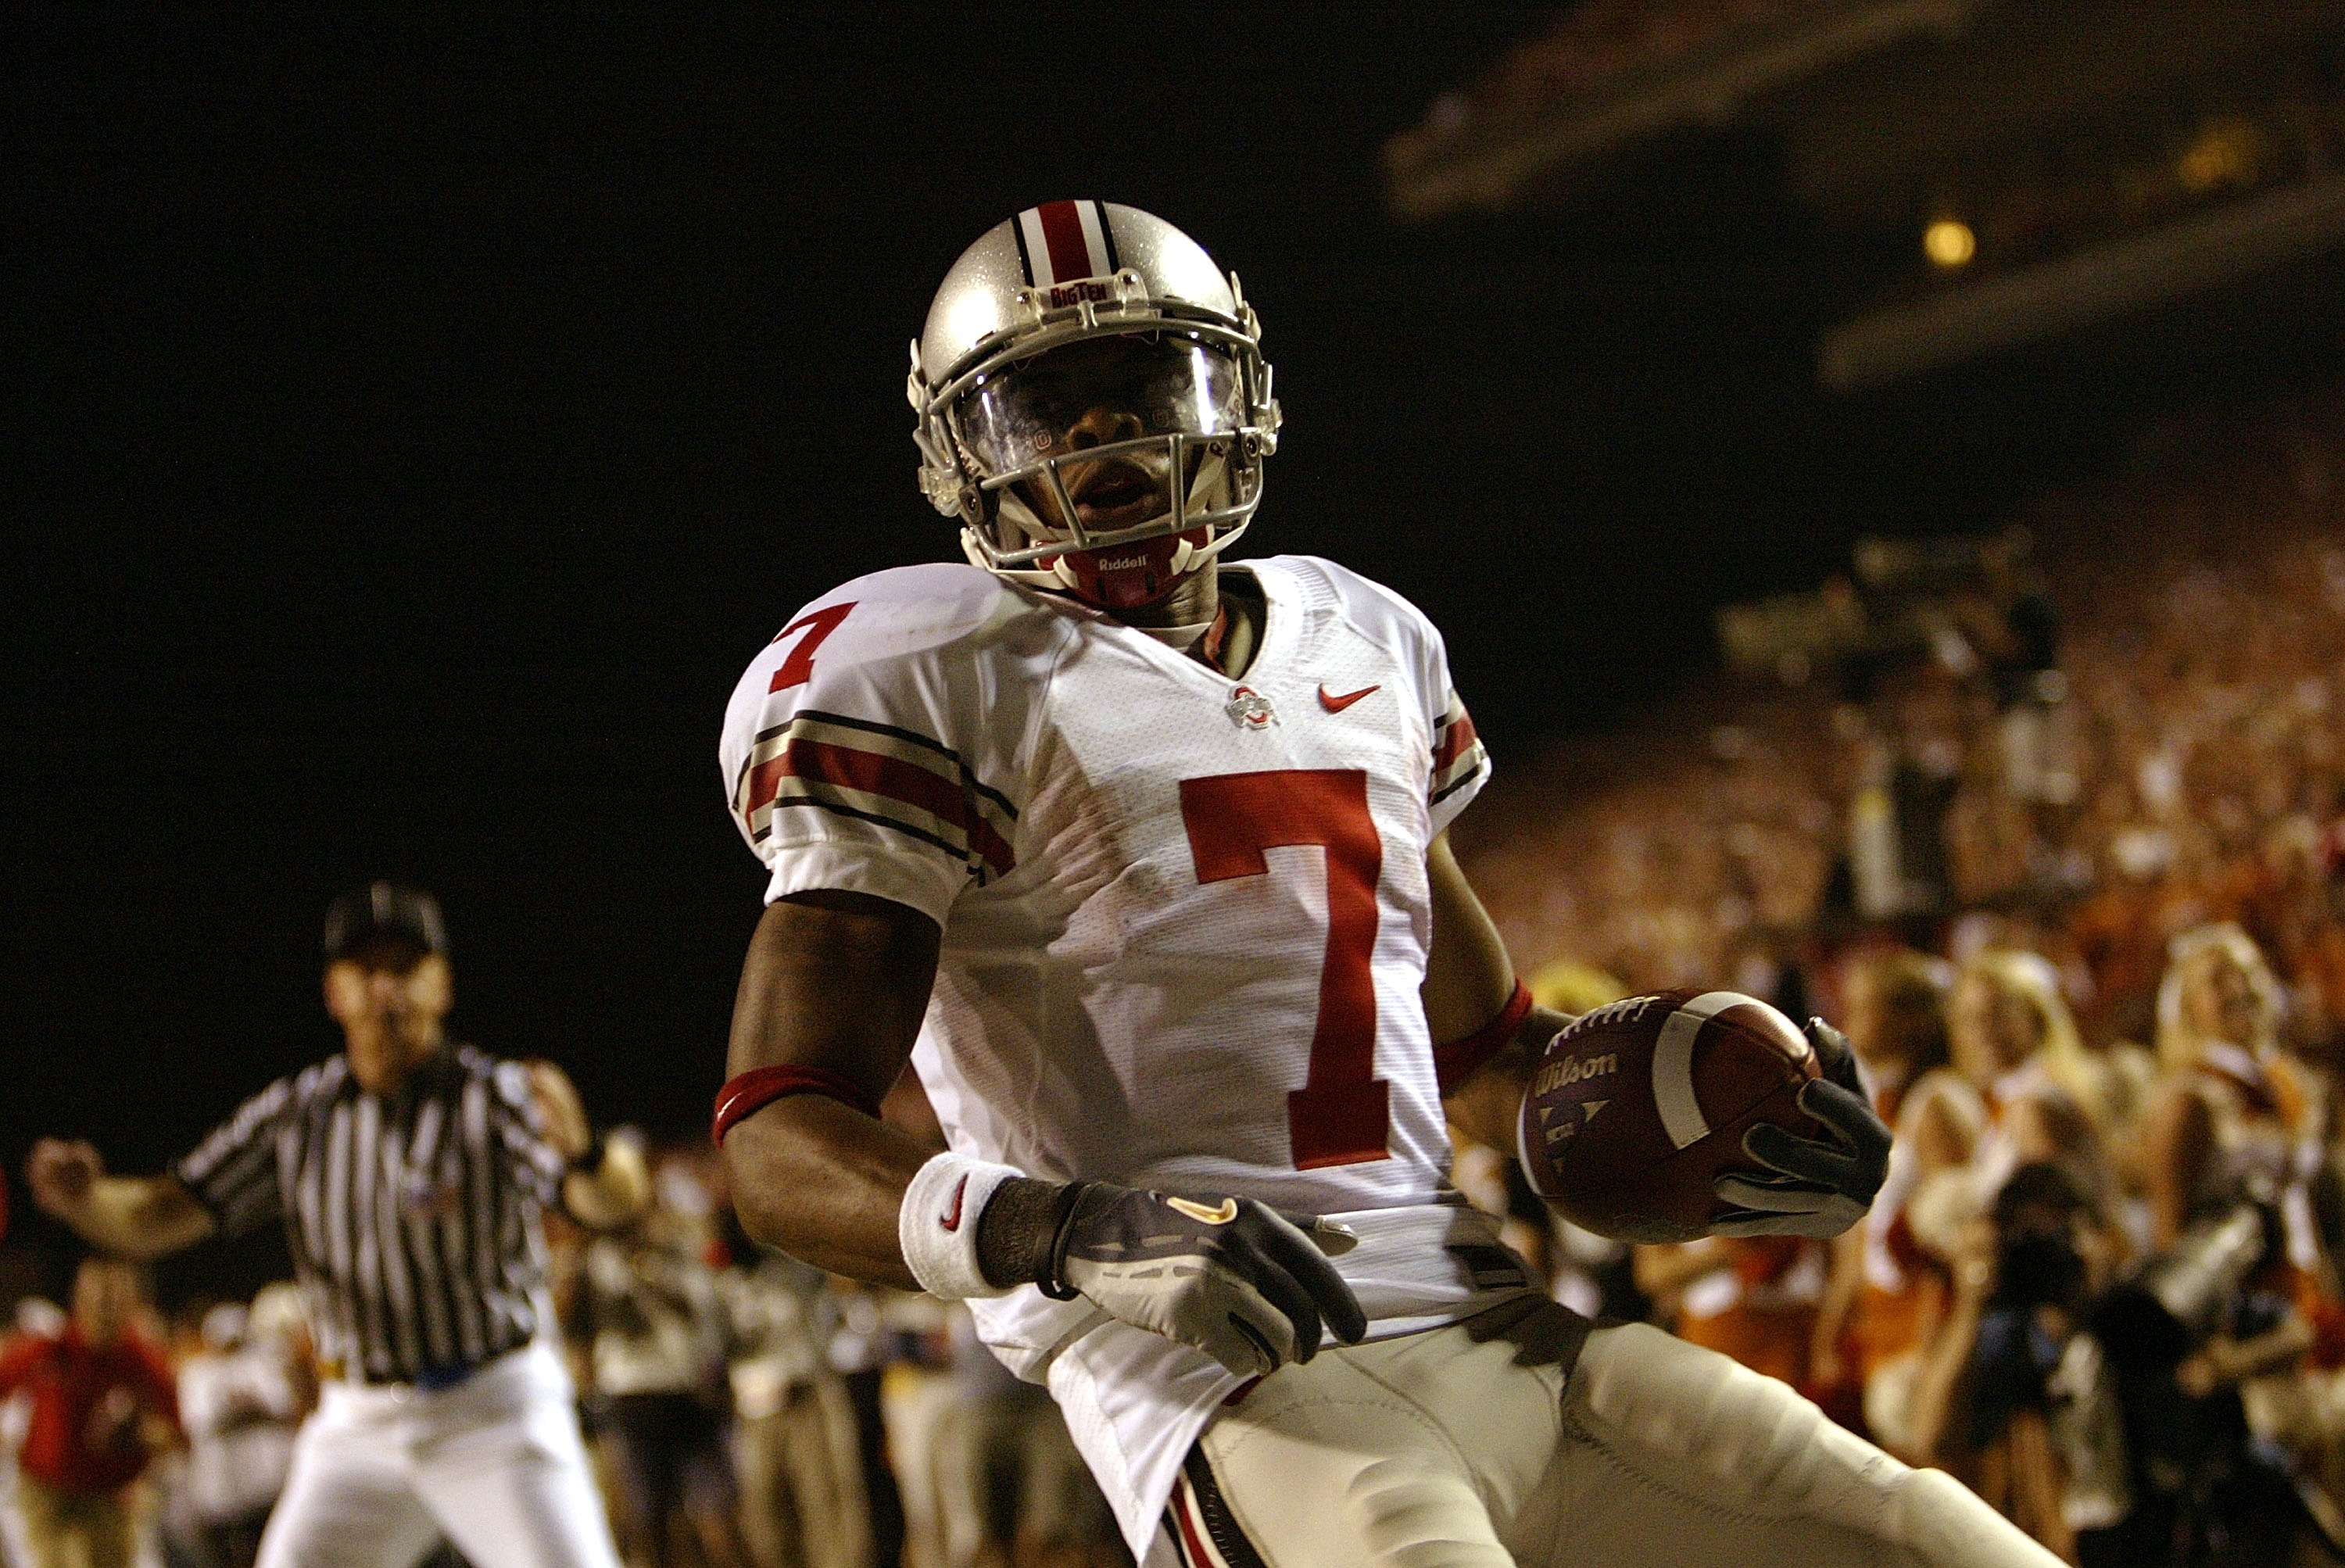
(1126, 564)
(1065, 294)
(1574, 1070)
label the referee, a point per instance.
(410, 1175)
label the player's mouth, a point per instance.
(1116, 495)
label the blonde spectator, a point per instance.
(2239, 1120)
(2013, 1038)
(2236, 1117)
(1887, 1295)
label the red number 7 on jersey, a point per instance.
(798, 668)
(1342, 1114)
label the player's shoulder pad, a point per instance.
(931, 649)
(1374, 611)
(898, 615)
(910, 609)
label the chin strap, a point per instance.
(975, 551)
(1189, 557)
(1217, 636)
(1059, 577)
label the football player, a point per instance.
(1139, 859)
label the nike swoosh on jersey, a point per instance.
(1334, 703)
(952, 1220)
(1220, 1214)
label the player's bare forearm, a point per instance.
(840, 982)
(1485, 1105)
(1468, 981)
(830, 1182)
(1467, 975)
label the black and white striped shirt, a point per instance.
(412, 1219)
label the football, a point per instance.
(1637, 1107)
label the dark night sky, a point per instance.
(416, 427)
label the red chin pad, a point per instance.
(1129, 577)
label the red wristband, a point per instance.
(1459, 1059)
(760, 1086)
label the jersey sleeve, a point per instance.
(1460, 765)
(870, 747)
(1457, 766)
(233, 1172)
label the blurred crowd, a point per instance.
(2169, 751)
(2059, 838)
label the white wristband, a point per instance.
(937, 1227)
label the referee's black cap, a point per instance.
(383, 910)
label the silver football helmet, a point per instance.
(1093, 404)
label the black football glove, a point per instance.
(1248, 1286)
(1820, 1185)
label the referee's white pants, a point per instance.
(495, 1463)
(1465, 1447)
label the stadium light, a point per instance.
(1948, 242)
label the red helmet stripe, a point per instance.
(1061, 241)
(1063, 237)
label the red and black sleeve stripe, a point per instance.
(877, 773)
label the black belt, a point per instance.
(428, 1379)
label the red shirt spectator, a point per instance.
(90, 1395)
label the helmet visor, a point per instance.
(1096, 392)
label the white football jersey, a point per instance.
(1184, 922)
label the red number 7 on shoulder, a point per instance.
(798, 668)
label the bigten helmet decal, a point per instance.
(1092, 404)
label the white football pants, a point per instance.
(1466, 1447)
(495, 1463)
